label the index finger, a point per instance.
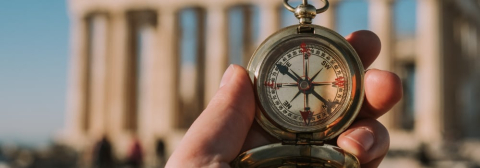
(383, 89)
(366, 44)
(217, 135)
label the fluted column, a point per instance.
(117, 94)
(381, 22)
(428, 80)
(149, 80)
(269, 20)
(78, 81)
(98, 74)
(165, 76)
(328, 18)
(216, 49)
(248, 44)
(149, 84)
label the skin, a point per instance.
(227, 127)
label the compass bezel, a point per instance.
(351, 105)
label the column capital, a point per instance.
(269, 20)
(390, 2)
(270, 4)
(220, 9)
(216, 49)
(334, 3)
(328, 18)
(167, 11)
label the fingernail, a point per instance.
(348, 36)
(363, 137)
(227, 75)
(370, 69)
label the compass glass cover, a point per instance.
(304, 84)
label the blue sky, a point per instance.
(34, 55)
(33, 65)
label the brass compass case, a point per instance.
(308, 83)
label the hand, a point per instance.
(226, 127)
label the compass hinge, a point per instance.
(303, 139)
(305, 29)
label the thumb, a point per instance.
(216, 137)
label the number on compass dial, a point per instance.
(307, 85)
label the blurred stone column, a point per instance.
(381, 22)
(149, 83)
(98, 74)
(428, 80)
(216, 49)
(328, 18)
(166, 79)
(248, 43)
(118, 95)
(78, 81)
(269, 19)
(165, 68)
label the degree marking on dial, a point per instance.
(287, 104)
(339, 82)
(270, 84)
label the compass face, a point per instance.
(304, 84)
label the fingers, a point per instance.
(366, 44)
(216, 137)
(367, 139)
(257, 137)
(383, 90)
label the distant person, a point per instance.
(135, 155)
(102, 156)
(423, 155)
(160, 151)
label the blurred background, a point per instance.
(107, 83)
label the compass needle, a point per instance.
(319, 97)
(316, 74)
(289, 84)
(306, 115)
(296, 95)
(296, 75)
(306, 71)
(321, 84)
(284, 70)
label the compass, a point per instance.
(308, 83)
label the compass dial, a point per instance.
(305, 83)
